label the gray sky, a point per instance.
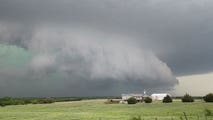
(102, 47)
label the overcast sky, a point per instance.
(102, 47)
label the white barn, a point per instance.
(159, 96)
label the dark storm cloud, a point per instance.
(179, 32)
(93, 40)
(78, 62)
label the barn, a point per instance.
(159, 96)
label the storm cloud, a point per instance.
(109, 47)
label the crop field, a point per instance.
(98, 110)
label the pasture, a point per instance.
(98, 110)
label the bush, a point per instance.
(148, 100)
(208, 97)
(187, 98)
(167, 99)
(132, 100)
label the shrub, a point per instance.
(187, 98)
(208, 97)
(148, 100)
(132, 100)
(167, 99)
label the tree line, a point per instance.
(23, 101)
(169, 99)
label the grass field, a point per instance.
(97, 110)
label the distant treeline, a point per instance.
(23, 101)
(195, 97)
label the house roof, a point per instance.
(160, 94)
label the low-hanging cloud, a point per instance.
(105, 64)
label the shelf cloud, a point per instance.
(101, 48)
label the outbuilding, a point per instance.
(138, 97)
(159, 96)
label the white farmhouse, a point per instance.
(159, 96)
(138, 97)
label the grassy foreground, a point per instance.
(97, 110)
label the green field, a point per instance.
(98, 110)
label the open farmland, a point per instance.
(97, 110)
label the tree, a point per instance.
(167, 99)
(187, 98)
(148, 100)
(132, 100)
(208, 97)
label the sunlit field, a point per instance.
(98, 110)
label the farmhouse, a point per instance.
(159, 96)
(138, 97)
